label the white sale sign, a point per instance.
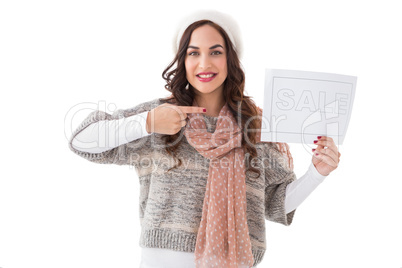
(301, 105)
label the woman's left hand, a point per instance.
(326, 159)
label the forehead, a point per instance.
(206, 35)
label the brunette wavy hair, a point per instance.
(242, 107)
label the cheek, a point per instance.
(223, 66)
(189, 65)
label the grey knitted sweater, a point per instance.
(171, 201)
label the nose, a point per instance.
(205, 62)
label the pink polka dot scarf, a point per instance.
(223, 237)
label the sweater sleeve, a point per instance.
(277, 176)
(104, 135)
(111, 139)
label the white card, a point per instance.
(301, 105)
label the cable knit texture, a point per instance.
(171, 202)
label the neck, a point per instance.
(212, 102)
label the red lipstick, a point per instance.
(206, 77)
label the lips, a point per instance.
(206, 77)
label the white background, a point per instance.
(60, 210)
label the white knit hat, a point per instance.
(225, 21)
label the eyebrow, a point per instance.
(215, 46)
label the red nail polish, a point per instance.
(204, 110)
(319, 137)
(313, 150)
(316, 153)
(315, 141)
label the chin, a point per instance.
(206, 89)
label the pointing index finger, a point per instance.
(192, 109)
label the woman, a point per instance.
(207, 183)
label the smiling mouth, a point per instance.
(205, 75)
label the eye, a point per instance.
(216, 53)
(194, 53)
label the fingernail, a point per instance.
(316, 153)
(313, 150)
(315, 141)
(319, 137)
(204, 110)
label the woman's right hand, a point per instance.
(169, 119)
